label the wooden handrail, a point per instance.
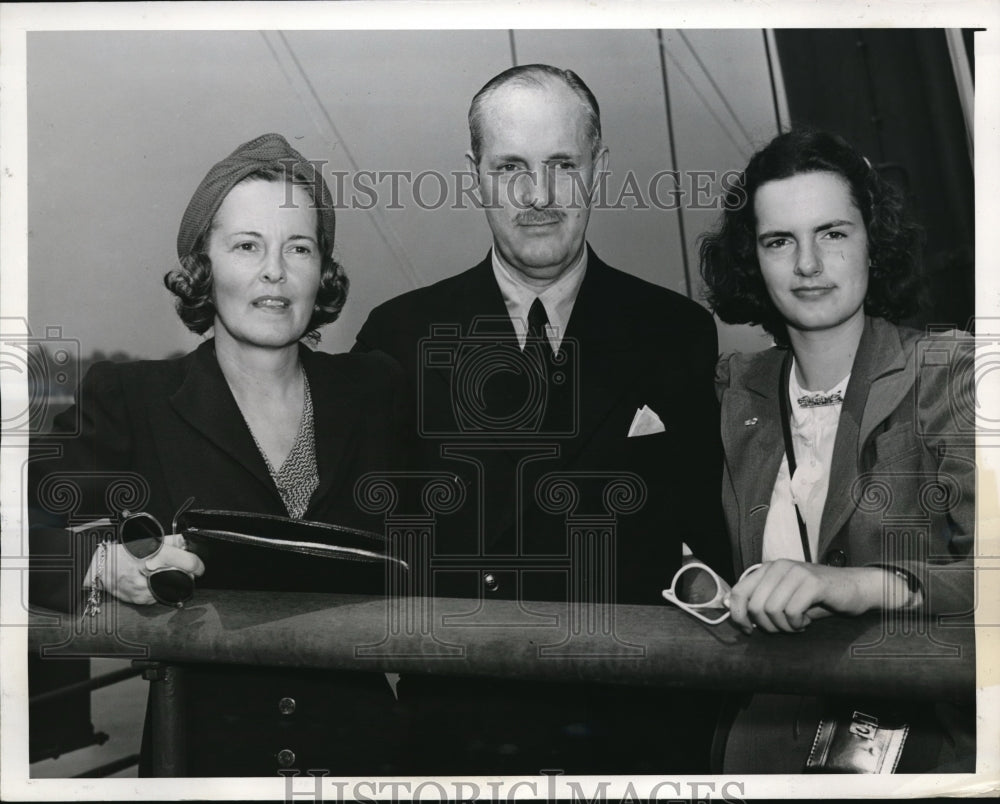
(895, 656)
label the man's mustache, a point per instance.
(536, 217)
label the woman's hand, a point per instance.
(787, 595)
(124, 574)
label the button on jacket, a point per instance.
(147, 435)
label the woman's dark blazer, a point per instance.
(146, 436)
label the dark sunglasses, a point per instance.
(142, 535)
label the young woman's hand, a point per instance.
(786, 595)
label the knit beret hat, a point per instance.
(269, 151)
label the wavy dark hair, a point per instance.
(734, 285)
(191, 282)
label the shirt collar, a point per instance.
(557, 298)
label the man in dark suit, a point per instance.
(529, 373)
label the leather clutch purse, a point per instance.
(258, 551)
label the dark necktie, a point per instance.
(537, 319)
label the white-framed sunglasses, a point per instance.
(701, 592)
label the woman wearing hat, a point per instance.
(252, 420)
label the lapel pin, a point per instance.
(750, 422)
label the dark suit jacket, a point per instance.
(628, 343)
(148, 435)
(900, 452)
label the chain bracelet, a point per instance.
(96, 595)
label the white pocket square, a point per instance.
(645, 422)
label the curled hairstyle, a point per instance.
(191, 282)
(536, 75)
(734, 285)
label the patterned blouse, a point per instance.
(299, 476)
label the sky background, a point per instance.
(122, 126)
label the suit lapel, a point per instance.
(483, 313)
(877, 386)
(890, 382)
(474, 311)
(337, 407)
(474, 301)
(754, 448)
(608, 355)
(205, 402)
(479, 297)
